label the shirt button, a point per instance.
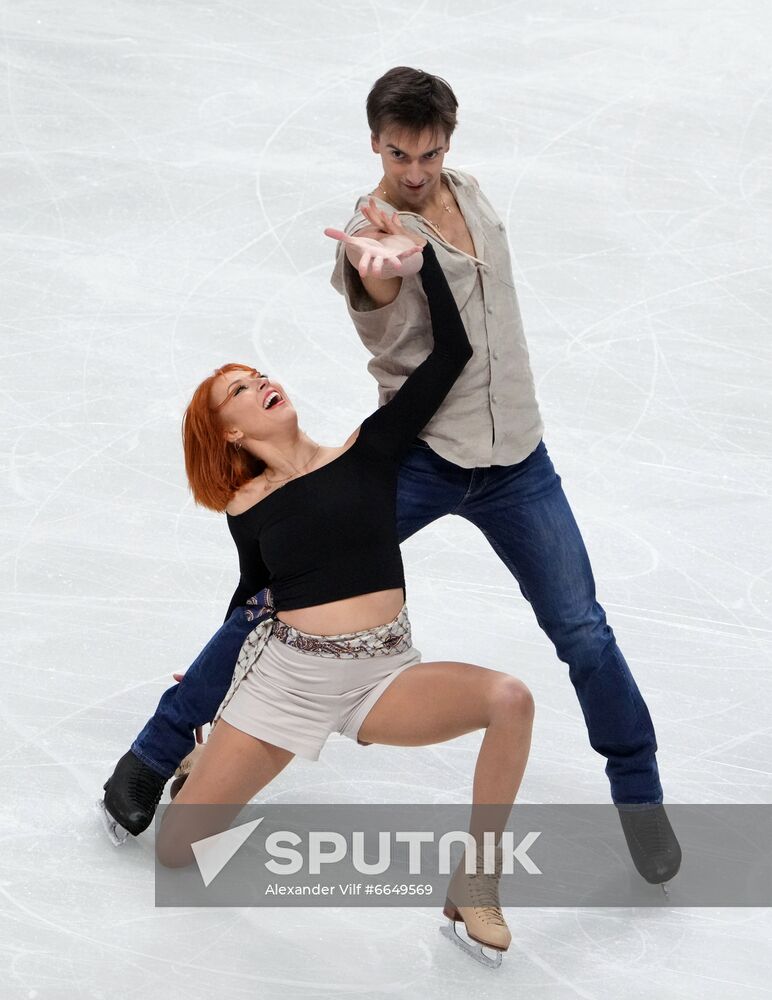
(495, 355)
(494, 399)
(489, 309)
(501, 227)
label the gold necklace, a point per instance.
(445, 207)
(279, 482)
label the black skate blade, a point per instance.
(117, 834)
(472, 948)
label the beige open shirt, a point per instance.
(490, 417)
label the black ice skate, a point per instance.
(653, 845)
(132, 795)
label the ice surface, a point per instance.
(167, 173)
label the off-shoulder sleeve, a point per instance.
(391, 428)
(254, 573)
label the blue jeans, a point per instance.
(522, 511)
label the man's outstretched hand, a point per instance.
(388, 245)
(390, 224)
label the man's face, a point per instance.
(412, 163)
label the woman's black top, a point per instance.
(332, 533)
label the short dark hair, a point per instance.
(413, 100)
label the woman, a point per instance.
(317, 524)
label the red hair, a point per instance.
(215, 467)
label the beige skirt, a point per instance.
(293, 689)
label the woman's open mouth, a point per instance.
(272, 399)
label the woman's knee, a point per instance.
(173, 841)
(511, 699)
(172, 853)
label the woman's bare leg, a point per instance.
(433, 702)
(232, 768)
(428, 703)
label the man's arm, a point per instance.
(384, 289)
(381, 280)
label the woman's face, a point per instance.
(250, 404)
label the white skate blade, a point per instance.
(118, 835)
(472, 948)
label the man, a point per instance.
(481, 457)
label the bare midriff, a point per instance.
(354, 614)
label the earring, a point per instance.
(237, 445)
